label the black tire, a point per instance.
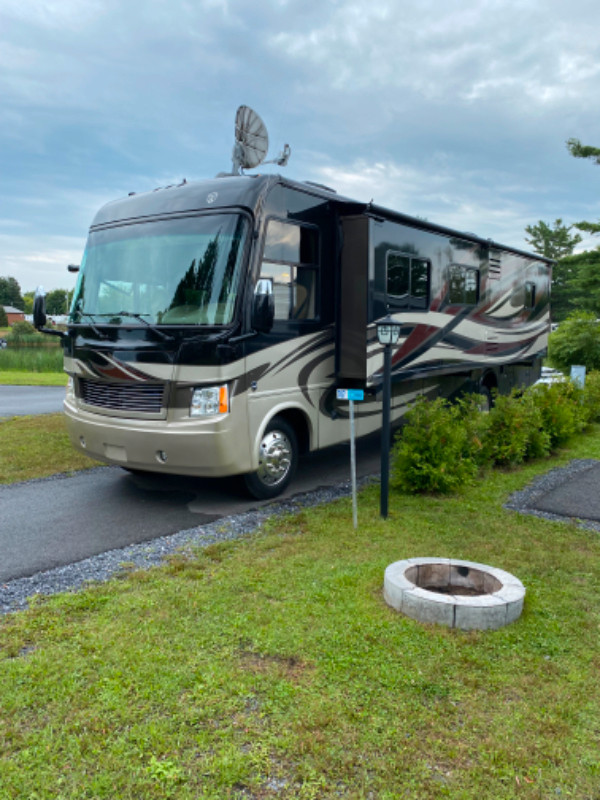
(278, 459)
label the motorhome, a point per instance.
(213, 321)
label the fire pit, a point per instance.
(459, 594)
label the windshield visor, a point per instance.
(170, 272)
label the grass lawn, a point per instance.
(36, 447)
(14, 377)
(272, 668)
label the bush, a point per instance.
(442, 447)
(562, 409)
(515, 430)
(591, 396)
(576, 341)
(3, 318)
(21, 331)
(433, 452)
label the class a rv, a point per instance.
(213, 321)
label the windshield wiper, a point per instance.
(162, 334)
(98, 332)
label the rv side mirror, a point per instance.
(39, 308)
(263, 308)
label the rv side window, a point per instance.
(529, 295)
(463, 285)
(290, 259)
(407, 280)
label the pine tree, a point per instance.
(553, 242)
(579, 150)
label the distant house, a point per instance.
(14, 315)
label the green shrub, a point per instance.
(3, 318)
(591, 395)
(442, 447)
(562, 409)
(476, 423)
(538, 441)
(22, 331)
(434, 451)
(509, 435)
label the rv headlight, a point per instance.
(209, 401)
(70, 392)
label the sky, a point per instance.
(453, 110)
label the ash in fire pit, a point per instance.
(460, 594)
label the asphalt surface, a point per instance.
(18, 401)
(578, 498)
(52, 522)
(569, 493)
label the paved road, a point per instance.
(16, 401)
(56, 521)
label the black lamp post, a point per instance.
(388, 333)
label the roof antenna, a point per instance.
(252, 143)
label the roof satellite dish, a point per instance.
(252, 142)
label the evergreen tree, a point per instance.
(579, 150)
(576, 285)
(563, 295)
(552, 242)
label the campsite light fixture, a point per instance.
(388, 333)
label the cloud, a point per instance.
(41, 261)
(450, 110)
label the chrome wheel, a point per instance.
(277, 460)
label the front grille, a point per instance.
(146, 398)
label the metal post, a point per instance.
(385, 430)
(353, 466)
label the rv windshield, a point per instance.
(182, 271)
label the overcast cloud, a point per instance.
(454, 111)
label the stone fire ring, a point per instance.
(458, 594)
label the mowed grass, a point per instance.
(17, 377)
(36, 447)
(271, 667)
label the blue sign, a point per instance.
(350, 394)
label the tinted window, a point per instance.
(292, 244)
(290, 259)
(407, 280)
(463, 285)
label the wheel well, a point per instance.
(299, 423)
(489, 381)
